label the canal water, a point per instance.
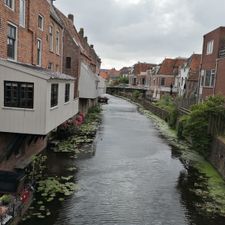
(134, 178)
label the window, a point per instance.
(18, 94)
(50, 38)
(22, 13)
(162, 81)
(39, 52)
(50, 66)
(54, 95)
(10, 4)
(57, 42)
(209, 78)
(209, 49)
(68, 62)
(40, 22)
(67, 92)
(11, 42)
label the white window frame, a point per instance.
(40, 59)
(51, 39)
(13, 5)
(211, 81)
(23, 20)
(16, 43)
(57, 44)
(209, 47)
(42, 24)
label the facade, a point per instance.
(36, 96)
(163, 78)
(212, 64)
(140, 75)
(81, 62)
(188, 78)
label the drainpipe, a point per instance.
(32, 33)
(214, 85)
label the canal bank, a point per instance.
(135, 177)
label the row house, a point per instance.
(140, 75)
(163, 78)
(189, 76)
(35, 96)
(81, 62)
(212, 64)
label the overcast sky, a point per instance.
(126, 31)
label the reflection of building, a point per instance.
(163, 78)
(189, 76)
(213, 64)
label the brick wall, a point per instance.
(27, 37)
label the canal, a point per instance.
(135, 177)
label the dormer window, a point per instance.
(209, 49)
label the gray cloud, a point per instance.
(126, 31)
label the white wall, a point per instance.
(101, 86)
(183, 75)
(63, 111)
(16, 120)
(41, 119)
(88, 83)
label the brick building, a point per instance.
(80, 61)
(140, 74)
(33, 88)
(213, 64)
(163, 78)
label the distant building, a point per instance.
(163, 78)
(140, 75)
(188, 78)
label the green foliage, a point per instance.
(6, 199)
(136, 94)
(167, 103)
(123, 80)
(195, 125)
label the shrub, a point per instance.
(195, 125)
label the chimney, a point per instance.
(92, 46)
(86, 39)
(81, 32)
(71, 17)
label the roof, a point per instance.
(35, 71)
(171, 66)
(71, 29)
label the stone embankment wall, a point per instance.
(217, 157)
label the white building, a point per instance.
(33, 100)
(182, 78)
(88, 88)
(101, 86)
